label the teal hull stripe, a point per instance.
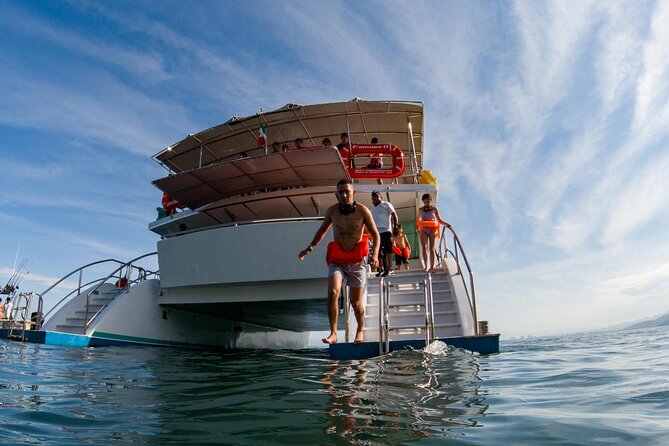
(99, 339)
(136, 340)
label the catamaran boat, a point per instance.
(236, 215)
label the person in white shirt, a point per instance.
(8, 308)
(385, 219)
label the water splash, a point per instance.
(436, 348)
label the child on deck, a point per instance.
(401, 248)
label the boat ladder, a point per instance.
(405, 307)
(19, 321)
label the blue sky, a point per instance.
(547, 124)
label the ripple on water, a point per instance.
(582, 389)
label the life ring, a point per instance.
(348, 153)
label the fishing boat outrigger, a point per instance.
(229, 276)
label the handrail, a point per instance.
(431, 303)
(88, 322)
(347, 311)
(76, 290)
(383, 329)
(77, 270)
(414, 156)
(13, 320)
(471, 291)
(386, 315)
(426, 312)
(233, 224)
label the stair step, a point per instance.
(91, 307)
(397, 314)
(69, 326)
(411, 302)
(412, 326)
(410, 289)
(397, 286)
(100, 300)
(418, 327)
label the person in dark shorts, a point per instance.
(401, 248)
(385, 219)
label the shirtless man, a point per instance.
(347, 255)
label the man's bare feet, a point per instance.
(332, 339)
(359, 338)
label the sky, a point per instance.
(546, 123)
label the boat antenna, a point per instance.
(16, 257)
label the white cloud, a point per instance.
(148, 65)
(639, 200)
(104, 111)
(651, 112)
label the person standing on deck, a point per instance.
(427, 225)
(2, 310)
(344, 144)
(344, 141)
(8, 308)
(385, 219)
(346, 254)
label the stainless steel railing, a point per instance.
(458, 251)
(76, 290)
(143, 275)
(384, 312)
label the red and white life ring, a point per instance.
(348, 153)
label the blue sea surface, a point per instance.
(603, 388)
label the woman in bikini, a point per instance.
(427, 224)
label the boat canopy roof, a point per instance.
(362, 120)
(320, 166)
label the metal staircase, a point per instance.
(81, 317)
(77, 310)
(411, 305)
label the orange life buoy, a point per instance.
(406, 252)
(348, 153)
(335, 254)
(430, 224)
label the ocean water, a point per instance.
(605, 388)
